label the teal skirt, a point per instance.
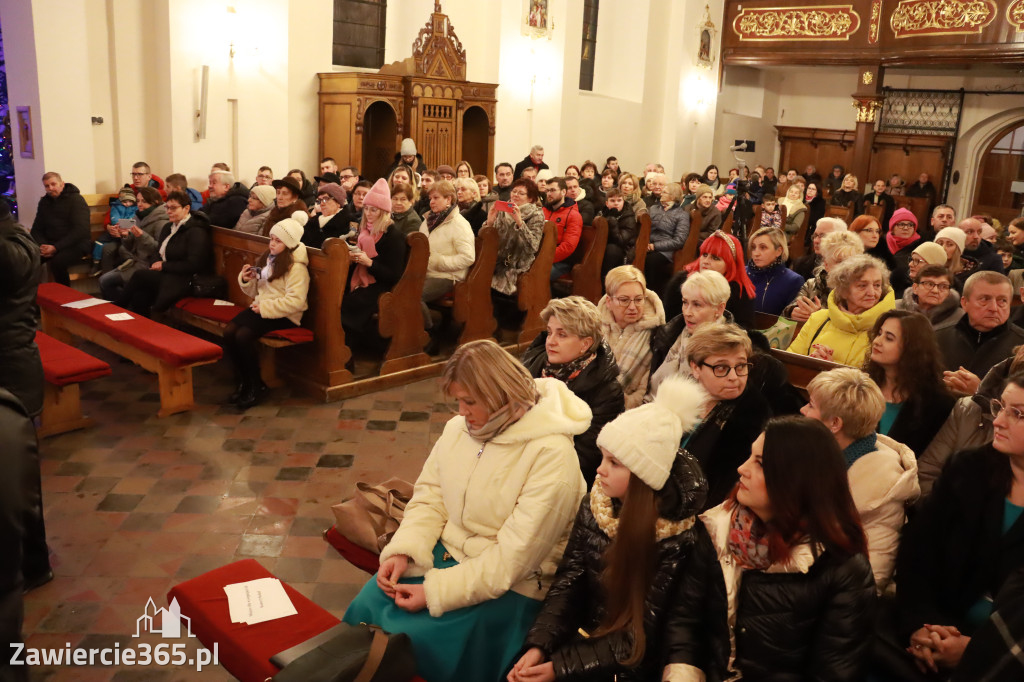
(472, 644)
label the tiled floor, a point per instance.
(138, 503)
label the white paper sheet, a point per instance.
(119, 317)
(217, 301)
(84, 303)
(258, 601)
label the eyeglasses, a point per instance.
(721, 371)
(625, 301)
(873, 230)
(321, 200)
(519, 193)
(1012, 413)
(917, 261)
(941, 286)
(905, 224)
(346, 177)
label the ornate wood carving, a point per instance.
(940, 17)
(832, 22)
(437, 51)
(1015, 14)
(876, 16)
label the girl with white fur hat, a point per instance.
(278, 285)
(628, 594)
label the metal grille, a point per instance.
(922, 112)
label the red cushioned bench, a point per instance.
(354, 554)
(205, 314)
(245, 650)
(64, 368)
(169, 353)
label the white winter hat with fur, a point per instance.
(645, 439)
(290, 230)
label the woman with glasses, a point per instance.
(882, 471)
(900, 243)
(329, 221)
(963, 544)
(932, 294)
(630, 312)
(718, 357)
(520, 226)
(870, 232)
(839, 332)
(467, 570)
(572, 350)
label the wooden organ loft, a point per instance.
(365, 116)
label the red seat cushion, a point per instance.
(293, 334)
(204, 307)
(359, 557)
(174, 347)
(64, 364)
(245, 650)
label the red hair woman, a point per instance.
(722, 253)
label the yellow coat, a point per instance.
(845, 333)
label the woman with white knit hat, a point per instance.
(629, 592)
(278, 284)
(953, 240)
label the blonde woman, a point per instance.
(630, 312)
(774, 284)
(795, 208)
(377, 264)
(630, 187)
(488, 521)
(847, 193)
(467, 194)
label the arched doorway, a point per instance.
(1001, 164)
(475, 138)
(380, 132)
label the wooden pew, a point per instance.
(400, 313)
(64, 368)
(99, 207)
(533, 289)
(643, 238)
(796, 244)
(876, 211)
(844, 213)
(801, 369)
(586, 275)
(471, 299)
(916, 205)
(688, 253)
(727, 223)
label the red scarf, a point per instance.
(895, 243)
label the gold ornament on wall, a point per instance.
(866, 109)
(876, 15)
(831, 22)
(941, 17)
(866, 78)
(1015, 14)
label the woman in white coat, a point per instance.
(452, 247)
(466, 572)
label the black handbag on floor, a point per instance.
(209, 286)
(348, 653)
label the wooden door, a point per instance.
(380, 131)
(436, 136)
(1002, 164)
(475, 139)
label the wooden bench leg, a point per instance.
(175, 389)
(268, 367)
(62, 410)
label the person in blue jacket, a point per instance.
(775, 285)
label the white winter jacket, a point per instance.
(883, 483)
(502, 509)
(452, 248)
(285, 296)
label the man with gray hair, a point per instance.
(984, 336)
(534, 160)
(228, 199)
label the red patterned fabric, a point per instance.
(204, 307)
(174, 347)
(359, 557)
(245, 650)
(64, 364)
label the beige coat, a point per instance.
(452, 248)
(503, 510)
(883, 484)
(285, 296)
(631, 345)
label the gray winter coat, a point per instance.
(946, 314)
(143, 250)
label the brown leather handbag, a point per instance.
(348, 653)
(371, 516)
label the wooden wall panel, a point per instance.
(337, 125)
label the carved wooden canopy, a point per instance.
(437, 51)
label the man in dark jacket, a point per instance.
(583, 201)
(564, 213)
(535, 159)
(978, 254)
(19, 454)
(21, 373)
(61, 227)
(228, 199)
(984, 335)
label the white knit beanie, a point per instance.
(645, 439)
(290, 230)
(265, 193)
(955, 234)
(408, 147)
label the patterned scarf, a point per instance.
(567, 371)
(435, 219)
(501, 419)
(748, 541)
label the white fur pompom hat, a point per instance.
(290, 229)
(645, 439)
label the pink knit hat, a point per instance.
(379, 196)
(902, 214)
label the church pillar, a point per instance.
(867, 100)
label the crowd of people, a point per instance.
(642, 493)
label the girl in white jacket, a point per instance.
(278, 284)
(465, 574)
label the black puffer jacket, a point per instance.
(63, 221)
(20, 369)
(598, 386)
(622, 230)
(190, 250)
(226, 210)
(18, 455)
(680, 612)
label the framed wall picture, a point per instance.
(706, 31)
(537, 19)
(24, 123)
